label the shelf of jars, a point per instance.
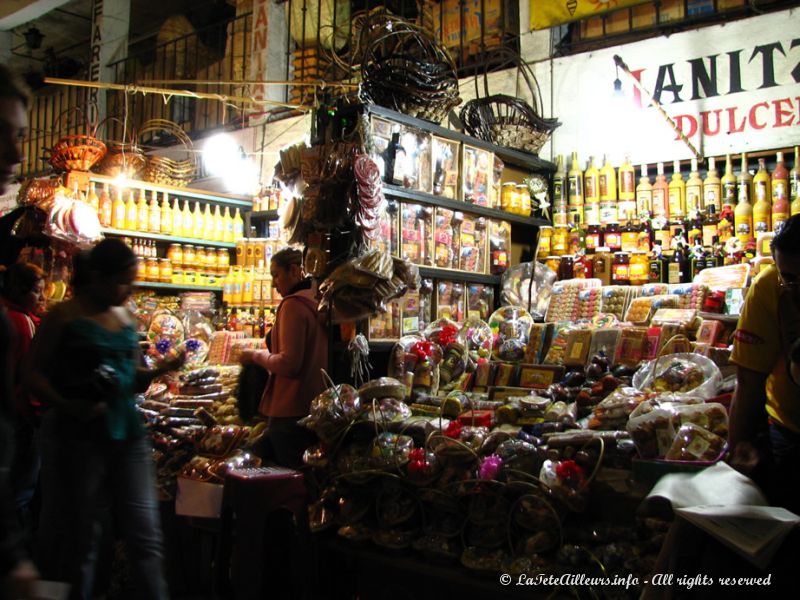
(181, 287)
(160, 237)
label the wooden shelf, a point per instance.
(166, 238)
(235, 201)
(401, 193)
(453, 275)
(156, 285)
(508, 155)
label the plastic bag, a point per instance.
(613, 412)
(711, 416)
(652, 432)
(681, 374)
(694, 443)
(528, 287)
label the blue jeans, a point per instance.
(79, 477)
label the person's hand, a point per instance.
(21, 581)
(174, 363)
(745, 458)
(247, 357)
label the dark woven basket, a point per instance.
(405, 69)
(507, 120)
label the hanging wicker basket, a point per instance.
(122, 156)
(168, 171)
(78, 151)
(507, 120)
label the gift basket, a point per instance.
(404, 68)
(506, 120)
(161, 169)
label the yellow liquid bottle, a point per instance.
(744, 182)
(131, 213)
(92, 199)
(712, 187)
(228, 232)
(177, 219)
(660, 194)
(142, 213)
(794, 183)
(197, 221)
(154, 214)
(644, 195)
(247, 286)
(238, 284)
(238, 226)
(608, 193)
(118, 211)
(743, 218)
(208, 224)
(219, 225)
(105, 207)
(627, 188)
(728, 181)
(187, 220)
(591, 194)
(677, 193)
(166, 216)
(762, 207)
(694, 192)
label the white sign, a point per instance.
(731, 88)
(259, 56)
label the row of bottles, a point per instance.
(760, 202)
(248, 287)
(254, 322)
(140, 215)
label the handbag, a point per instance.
(252, 383)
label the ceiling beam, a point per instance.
(19, 12)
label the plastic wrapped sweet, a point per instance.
(613, 412)
(165, 334)
(528, 285)
(391, 449)
(332, 410)
(695, 443)
(652, 432)
(387, 410)
(476, 336)
(680, 373)
(442, 331)
(382, 387)
(415, 363)
(511, 328)
(711, 416)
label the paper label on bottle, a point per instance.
(626, 182)
(778, 190)
(644, 203)
(761, 225)
(603, 184)
(660, 208)
(673, 273)
(712, 197)
(760, 190)
(608, 212)
(590, 184)
(693, 201)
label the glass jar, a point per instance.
(553, 263)
(601, 265)
(592, 240)
(258, 252)
(177, 277)
(200, 260)
(190, 278)
(211, 261)
(582, 267)
(189, 258)
(560, 240)
(566, 268)
(545, 239)
(165, 270)
(508, 191)
(612, 238)
(639, 271)
(524, 195)
(153, 271)
(223, 261)
(620, 269)
(141, 269)
(175, 255)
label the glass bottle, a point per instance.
(629, 236)
(762, 208)
(142, 213)
(678, 266)
(744, 182)
(743, 215)
(166, 215)
(576, 240)
(560, 192)
(131, 214)
(592, 240)
(591, 201)
(608, 193)
(794, 183)
(197, 222)
(154, 214)
(177, 219)
(219, 225)
(694, 192)
(575, 197)
(712, 187)
(208, 224)
(710, 226)
(644, 195)
(660, 194)
(238, 226)
(639, 268)
(105, 209)
(780, 194)
(92, 199)
(627, 188)
(620, 269)
(656, 271)
(187, 220)
(228, 237)
(612, 238)
(728, 182)
(601, 265)
(560, 240)
(677, 193)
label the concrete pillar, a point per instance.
(110, 26)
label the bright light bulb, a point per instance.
(121, 181)
(242, 177)
(220, 154)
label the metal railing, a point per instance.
(309, 41)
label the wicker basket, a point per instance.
(167, 171)
(507, 120)
(78, 152)
(405, 69)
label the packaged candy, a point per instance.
(652, 432)
(511, 327)
(712, 417)
(693, 443)
(528, 285)
(476, 336)
(690, 295)
(683, 373)
(612, 413)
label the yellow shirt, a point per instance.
(757, 346)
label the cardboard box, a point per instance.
(198, 499)
(445, 163)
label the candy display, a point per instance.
(477, 337)
(511, 328)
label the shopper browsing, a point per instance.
(85, 367)
(298, 351)
(17, 574)
(765, 413)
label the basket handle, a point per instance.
(83, 116)
(510, 57)
(103, 122)
(154, 125)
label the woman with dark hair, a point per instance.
(85, 367)
(23, 289)
(298, 350)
